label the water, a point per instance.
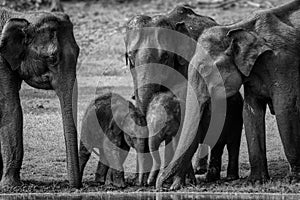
(149, 196)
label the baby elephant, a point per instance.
(163, 119)
(113, 125)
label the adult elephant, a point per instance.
(148, 56)
(262, 54)
(138, 40)
(40, 49)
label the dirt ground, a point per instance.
(99, 28)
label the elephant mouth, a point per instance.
(41, 82)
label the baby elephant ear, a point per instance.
(13, 41)
(113, 126)
(246, 47)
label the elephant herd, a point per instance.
(187, 72)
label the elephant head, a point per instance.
(42, 51)
(223, 60)
(151, 46)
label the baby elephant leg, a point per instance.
(115, 161)
(84, 156)
(102, 169)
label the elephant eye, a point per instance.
(129, 59)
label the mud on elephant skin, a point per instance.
(112, 125)
(163, 120)
(262, 54)
(39, 48)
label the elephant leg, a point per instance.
(144, 159)
(115, 177)
(233, 161)
(233, 148)
(288, 120)
(254, 121)
(215, 163)
(109, 177)
(113, 152)
(11, 137)
(190, 177)
(154, 143)
(101, 173)
(102, 167)
(1, 164)
(84, 156)
(178, 181)
(170, 147)
(201, 160)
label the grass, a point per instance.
(99, 32)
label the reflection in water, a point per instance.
(148, 196)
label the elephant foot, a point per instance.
(142, 180)
(100, 179)
(177, 183)
(191, 178)
(119, 183)
(199, 171)
(152, 177)
(202, 168)
(232, 177)
(258, 178)
(116, 179)
(293, 177)
(212, 175)
(10, 182)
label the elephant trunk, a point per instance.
(145, 94)
(68, 96)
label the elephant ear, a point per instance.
(115, 129)
(246, 47)
(13, 41)
(185, 47)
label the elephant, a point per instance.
(113, 125)
(262, 54)
(40, 49)
(148, 50)
(137, 55)
(163, 120)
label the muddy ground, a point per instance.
(99, 28)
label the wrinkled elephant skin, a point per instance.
(39, 48)
(262, 53)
